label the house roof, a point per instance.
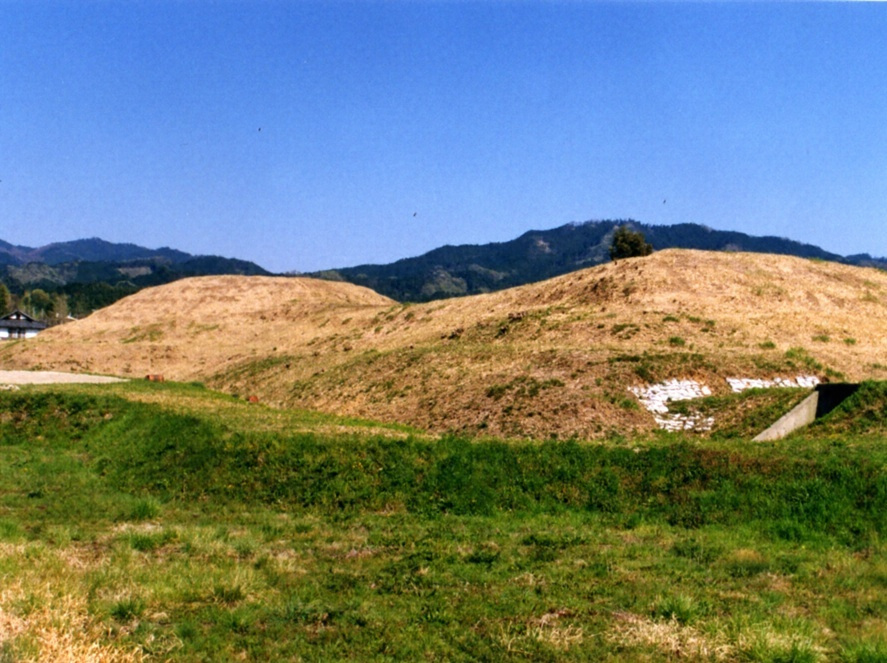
(20, 320)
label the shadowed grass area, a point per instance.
(175, 534)
(863, 413)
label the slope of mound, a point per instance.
(201, 298)
(550, 359)
(188, 329)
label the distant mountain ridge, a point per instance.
(93, 273)
(451, 271)
(86, 250)
(97, 272)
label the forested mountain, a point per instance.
(541, 254)
(83, 275)
(89, 260)
(89, 250)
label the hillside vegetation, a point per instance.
(553, 359)
(536, 255)
(84, 275)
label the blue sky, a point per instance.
(307, 135)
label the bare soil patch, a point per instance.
(53, 377)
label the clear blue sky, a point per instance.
(307, 135)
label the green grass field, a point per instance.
(169, 522)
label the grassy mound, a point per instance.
(830, 490)
(551, 359)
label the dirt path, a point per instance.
(51, 377)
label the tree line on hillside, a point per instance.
(51, 291)
(537, 255)
(54, 305)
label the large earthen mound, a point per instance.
(191, 328)
(552, 358)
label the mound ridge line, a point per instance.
(554, 358)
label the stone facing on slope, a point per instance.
(655, 398)
(802, 382)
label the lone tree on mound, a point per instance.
(629, 243)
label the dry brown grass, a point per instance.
(669, 637)
(43, 624)
(553, 358)
(192, 328)
(550, 629)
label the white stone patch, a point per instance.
(655, 397)
(678, 422)
(802, 381)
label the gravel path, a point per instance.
(51, 377)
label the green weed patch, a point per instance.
(183, 535)
(146, 451)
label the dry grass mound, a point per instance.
(549, 359)
(189, 329)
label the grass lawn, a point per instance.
(167, 522)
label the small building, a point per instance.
(19, 325)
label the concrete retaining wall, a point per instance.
(802, 415)
(824, 399)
